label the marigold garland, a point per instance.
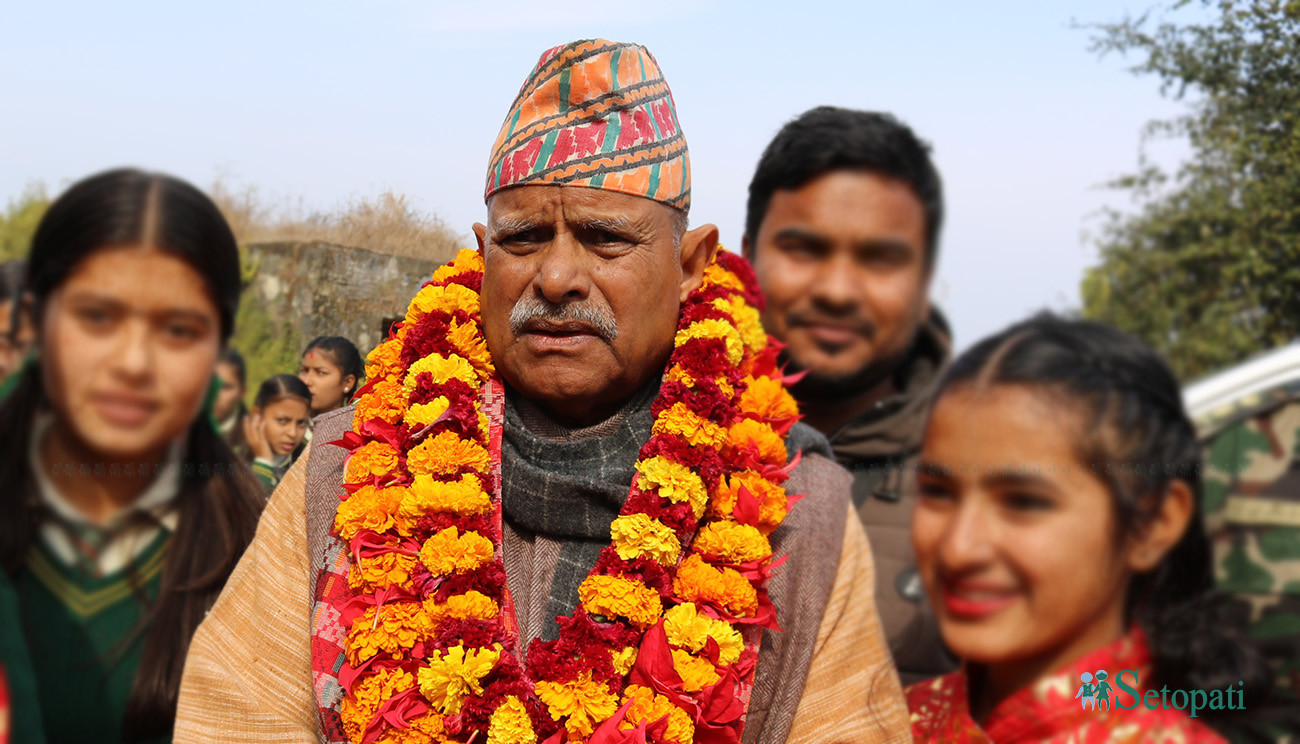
(668, 621)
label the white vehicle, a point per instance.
(1256, 384)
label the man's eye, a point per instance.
(95, 317)
(935, 492)
(183, 332)
(1027, 502)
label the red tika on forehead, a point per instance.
(599, 114)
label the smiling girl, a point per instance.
(276, 427)
(1059, 537)
(124, 511)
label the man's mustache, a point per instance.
(856, 323)
(590, 313)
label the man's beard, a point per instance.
(823, 387)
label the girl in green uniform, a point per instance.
(276, 427)
(124, 510)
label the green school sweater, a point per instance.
(75, 626)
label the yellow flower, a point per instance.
(449, 552)
(472, 605)
(381, 571)
(583, 701)
(747, 321)
(445, 454)
(484, 433)
(471, 345)
(637, 535)
(685, 423)
(369, 693)
(385, 360)
(696, 673)
(441, 369)
(733, 542)
(698, 581)
(771, 447)
(401, 624)
(714, 328)
(466, 260)
(420, 415)
(615, 596)
(386, 401)
(369, 508)
(675, 482)
(677, 373)
(687, 628)
(454, 675)
(426, 494)
(448, 298)
(370, 459)
(768, 399)
(715, 275)
(510, 724)
(771, 498)
(624, 659)
(649, 707)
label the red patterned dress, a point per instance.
(1048, 710)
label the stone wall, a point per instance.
(328, 290)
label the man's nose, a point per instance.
(564, 272)
(837, 285)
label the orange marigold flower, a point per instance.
(615, 596)
(369, 693)
(386, 401)
(426, 494)
(423, 414)
(674, 481)
(691, 630)
(401, 624)
(699, 432)
(510, 724)
(441, 369)
(455, 674)
(637, 535)
(768, 399)
(771, 447)
(697, 582)
(715, 275)
(369, 508)
(584, 702)
(449, 552)
(772, 502)
(650, 708)
(385, 360)
(471, 345)
(714, 328)
(425, 729)
(381, 571)
(447, 299)
(733, 542)
(483, 430)
(466, 259)
(472, 605)
(696, 673)
(445, 454)
(371, 459)
(747, 321)
(624, 658)
(678, 373)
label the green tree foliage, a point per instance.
(1208, 270)
(270, 345)
(18, 222)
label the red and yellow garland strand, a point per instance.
(663, 644)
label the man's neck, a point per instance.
(828, 414)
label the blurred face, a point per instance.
(128, 343)
(328, 385)
(14, 349)
(581, 292)
(842, 262)
(230, 393)
(1014, 537)
(284, 422)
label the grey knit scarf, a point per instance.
(571, 489)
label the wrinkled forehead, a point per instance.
(531, 207)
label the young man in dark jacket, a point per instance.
(842, 227)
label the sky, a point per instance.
(318, 103)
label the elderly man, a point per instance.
(565, 491)
(843, 231)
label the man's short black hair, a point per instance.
(828, 138)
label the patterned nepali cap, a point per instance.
(599, 114)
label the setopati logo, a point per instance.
(1096, 693)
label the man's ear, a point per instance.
(747, 249)
(698, 249)
(480, 234)
(1170, 522)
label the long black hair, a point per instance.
(219, 501)
(1138, 440)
